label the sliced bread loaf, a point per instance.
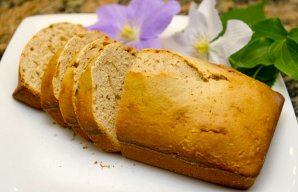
(51, 82)
(198, 119)
(99, 92)
(35, 57)
(67, 95)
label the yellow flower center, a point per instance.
(202, 47)
(128, 33)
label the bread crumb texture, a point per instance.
(41, 48)
(70, 53)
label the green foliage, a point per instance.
(284, 55)
(266, 74)
(271, 49)
(270, 28)
(249, 15)
(253, 54)
(293, 34)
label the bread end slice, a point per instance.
(35, 57)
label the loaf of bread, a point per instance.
(35, 57)
(69, 83)
(51, 81)
(202, 120)
(99, 93)
(172, 111)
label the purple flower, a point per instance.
(138, 24)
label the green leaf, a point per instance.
(249, 15)
(253, 54)
(284, 55)
(266, 74)
(271, 28)
(293, 34)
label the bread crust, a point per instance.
(197, 170)
(86, 116)
(48, 101)
(211, 114)
(26, 95)
(66, 103)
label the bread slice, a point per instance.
(202, 120)
(35, 57)
(99, 93)
(51, 82)
(67, 95)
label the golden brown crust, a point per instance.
(65, 98)
(192, 169)
(66, 103)
(47, 98)
(214, 116)
(86, 116)
(27, 96)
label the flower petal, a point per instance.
(111, 19)
(214, 25)
(112, 13)
(109, 30)
(172, 44)
(148, 43)
(237, 35)
(195, 30)
(93, 26)
(157, 18)
(218, 56)
(197, 27)
(142, 8)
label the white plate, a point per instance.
(37, 155)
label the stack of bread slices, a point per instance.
(159, 107)
(51, 67)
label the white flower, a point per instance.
(199, 38)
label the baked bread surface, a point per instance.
(67, 96)
(211, 117)
(99, 93)
(55, 70)
(36, 55)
